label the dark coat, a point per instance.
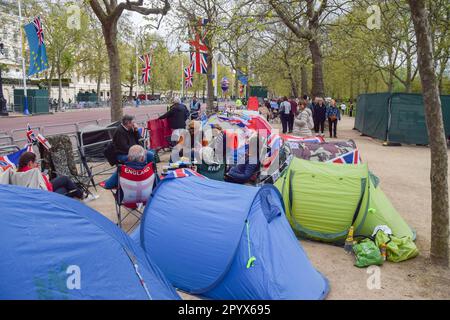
(242, 172)
(319, 112)
(177, 116)
(124, 139)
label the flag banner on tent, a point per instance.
(348, 158)
(38, 52)
(181, 173)
(146, 60)
(317, 139)
(11, 160)
(241, 122)
(188, 76)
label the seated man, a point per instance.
(127, 135)
(61, 184)
(136, 159)
(242, 173)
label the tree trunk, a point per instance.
(438, 143)
(130, 93)
(58, 70)
(294, 91)
(352, 93)
(317, 70)
(236, 77)
(59, 92)
(110, 34)
(99, 80)
(304, 76)
(49, 83)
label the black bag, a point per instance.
(110, 154)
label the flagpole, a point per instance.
(216, 77)
(25, 95)
(182, 77)
(137, 72)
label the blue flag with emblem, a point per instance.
(38, 52)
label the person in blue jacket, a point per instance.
(333, 116)
(242, 173)
(195, 108)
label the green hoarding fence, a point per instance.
(396, 117)
(258, 91)
(87, 97)
(37, 101)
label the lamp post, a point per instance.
(3, 110)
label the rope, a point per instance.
(136, 269)
(251, 259)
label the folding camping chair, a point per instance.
(212, 171)
(133, 191)
(60, 161)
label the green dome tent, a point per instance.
(323, 200)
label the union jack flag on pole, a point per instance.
(199, 55)
(147, 68)
(199, 60)
(38, 52)
(188, 77)
(31, 137)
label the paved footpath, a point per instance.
(73, 116)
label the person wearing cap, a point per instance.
(177, 115)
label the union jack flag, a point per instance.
(199, 60)
(351, 157)
(39, 31)
(182, 173)
(188, 76)
(199, 55)
(31, 137)
(238, 121)
(146, 70)
(11, 160)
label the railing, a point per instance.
(18, 136)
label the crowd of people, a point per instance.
(300, 117)
(305, 117)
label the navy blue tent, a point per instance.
(226, 241)
(53, 247)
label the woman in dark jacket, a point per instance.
(319, 116)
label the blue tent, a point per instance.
(53, 247)
(226, 241)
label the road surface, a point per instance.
(74, 116)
